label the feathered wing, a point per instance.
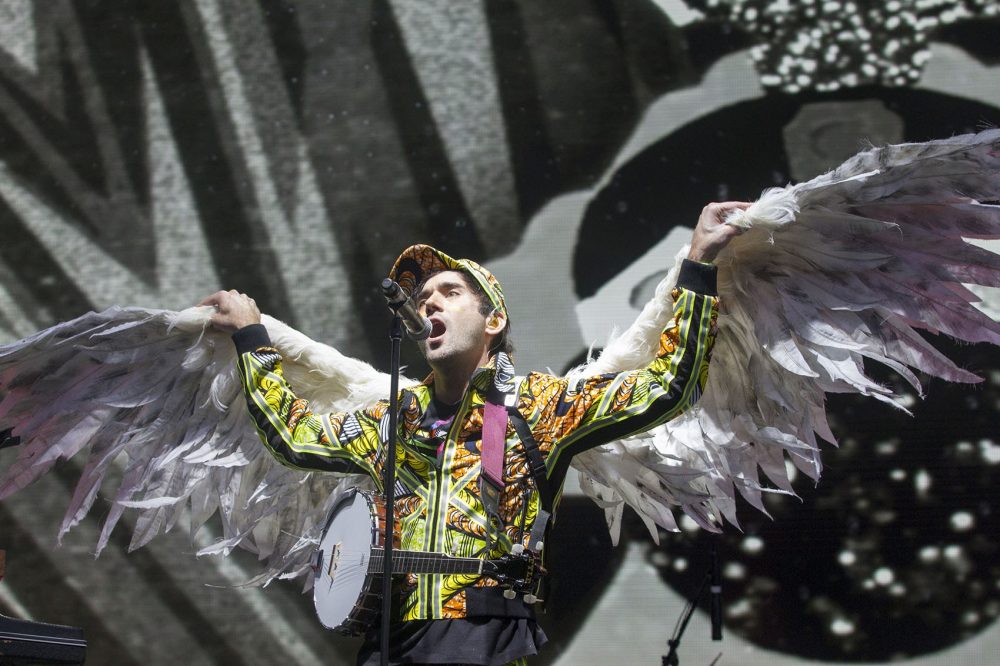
(157, 394)
(829, 272)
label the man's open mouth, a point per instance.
(437, 329)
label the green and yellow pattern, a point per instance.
(438, 502)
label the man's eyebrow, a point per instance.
(423, 293)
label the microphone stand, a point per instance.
(711, 578)
(389, 480)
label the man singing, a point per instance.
(443, 501)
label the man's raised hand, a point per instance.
(712, 233)
(233, 310)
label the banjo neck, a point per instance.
(419, 562)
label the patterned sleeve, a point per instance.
(601, 409)
(339, 442)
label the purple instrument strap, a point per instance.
(494, 440)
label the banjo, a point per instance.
(348, 565)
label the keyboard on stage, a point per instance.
(23, 642)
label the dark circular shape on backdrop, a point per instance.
(894, 555)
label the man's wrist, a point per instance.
(699, 277)
(250, 338)
(703, 253)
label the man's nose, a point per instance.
(430, 305)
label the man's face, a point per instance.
(458, 334)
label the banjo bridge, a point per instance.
(331, 569)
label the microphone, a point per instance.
(417, 327)
(715, 594)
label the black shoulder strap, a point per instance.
(536, 465)
(535, 461)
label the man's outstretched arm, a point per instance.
(342, 442)
(612, 406)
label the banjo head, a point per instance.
(341, 586)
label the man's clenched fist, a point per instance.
(712, 233)
(234, 310)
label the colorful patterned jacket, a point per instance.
(438, 505)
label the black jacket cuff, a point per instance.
(698, 277)
(251, 338)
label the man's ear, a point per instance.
(495, 322)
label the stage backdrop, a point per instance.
(154, 152)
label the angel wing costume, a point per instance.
(830, 272)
